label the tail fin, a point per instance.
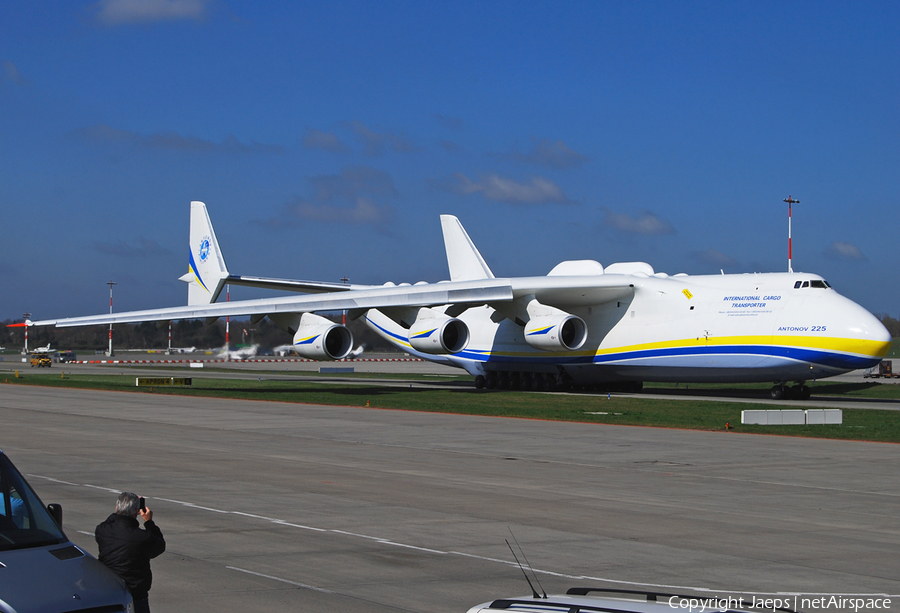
(463, 259)
(206, 267)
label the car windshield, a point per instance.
(24, 520)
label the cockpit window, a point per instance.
(820, 284)
(24, 521)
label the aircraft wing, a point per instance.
(560, 291)
(566, 292)
(429, 294)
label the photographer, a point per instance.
(127, 549)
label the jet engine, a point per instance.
(555, 332)
(438, 334)
(318, 338)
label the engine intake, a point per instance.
(555, 332)
(436, 335)
(318, 338)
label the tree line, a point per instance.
(185, 333)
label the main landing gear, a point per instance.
(518, 381)
(780, 391)
(549, 382)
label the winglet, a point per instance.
(206, 267)
(463, 259)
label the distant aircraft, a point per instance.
(242, 353)
(580, 325)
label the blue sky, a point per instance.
(326, 138)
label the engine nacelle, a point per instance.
(318, 338)
(555, 332)
(437, 335)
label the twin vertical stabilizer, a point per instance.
(206, 266)
(463, 258)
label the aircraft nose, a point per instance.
(874, 339)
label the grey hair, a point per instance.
(128, 504)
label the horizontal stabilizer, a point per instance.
(291, 285)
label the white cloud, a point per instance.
(102, 133)
(11, 71)
(553, 154)
(449, 121)
(364, 212)
(845, 251)
(326, 141)
(374, 143)
(501, 189)
(117, 12)
(353, 182)
(646, 223)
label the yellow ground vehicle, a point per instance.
(40, 359)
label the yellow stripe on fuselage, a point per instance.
(836, 344)
(833, 344)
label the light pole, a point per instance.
(110, 284)
(27, 315)
(790, 201)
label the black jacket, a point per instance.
(127, 550)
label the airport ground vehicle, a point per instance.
(40, 359)
(67, 356)
(884, 369)
(589, 600)
(40, 568)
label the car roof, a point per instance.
(611, 600)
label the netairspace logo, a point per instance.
(796, 603)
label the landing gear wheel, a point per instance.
(515, 381)
(480, 381)
(804, 392)
(778, 392)
(503, 381)
(550, 383)
(491, 380)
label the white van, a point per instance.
(40, 568)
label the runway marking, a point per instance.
(385, 541)
(288, 581)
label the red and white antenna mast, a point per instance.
(790, 201)
(110, 284)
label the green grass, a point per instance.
(870, 388)
(859, 424)
(894, 351)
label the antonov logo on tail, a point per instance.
(617, 326)
(204, 249)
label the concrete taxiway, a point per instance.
(428, 375)
(275, 506)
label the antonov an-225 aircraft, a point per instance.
(581, 324)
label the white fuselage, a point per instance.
(726, 328)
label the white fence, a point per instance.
(795, 417)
